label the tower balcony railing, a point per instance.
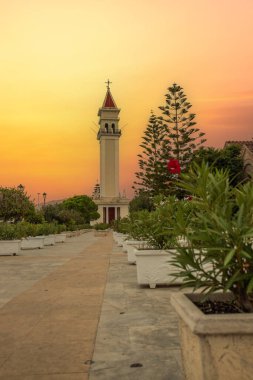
(109, 133)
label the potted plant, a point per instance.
(101, 229)
(47, 230)
(216, 324)
(60, 235)
(29, 240)
(10, 239)
(156, 228)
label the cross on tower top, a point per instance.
(108, 84)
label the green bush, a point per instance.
(26, 229)
(101, 226)
(45, 229)
(59, 228)
(225, 228)
(76, 227)
(159, 227)
(9, 232)
(121, 225)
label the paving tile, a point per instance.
(53, 358)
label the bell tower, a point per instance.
(108, 136)
(111, 205)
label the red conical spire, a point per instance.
(109, 101)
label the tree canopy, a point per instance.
(15, 204)
(142, 201)
(181, 132)
(173, 135)
(84, 205)
(153, 175)
(227, 158)
(79, 209)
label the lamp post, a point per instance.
(38, 204)
(44, 198)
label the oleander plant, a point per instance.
(222, 223)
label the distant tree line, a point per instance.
(15, 206)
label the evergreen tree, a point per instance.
(182, 135)
(170, 136)
(153, 176)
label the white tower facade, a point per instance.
(108, 136)
(111, 205)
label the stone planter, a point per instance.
(36, 242)
(132, 247)
(153, 268)
(60, 238)
(120, 239)
(127, 243)
(217, 346)
(49, 240)
(10, 247)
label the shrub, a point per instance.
(225, 229)
(45, 229)
(9, 232)
(101, 226)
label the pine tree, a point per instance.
(172, 136)
(153, 175)
(182, 135)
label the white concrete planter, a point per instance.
(36, 242)
(153, 268)
(10, 247)
(120, 239)
(132, 247)
(214, 346)
(128, 242)
(114, 235)
(60, 238)
(49, 240)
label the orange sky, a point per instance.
(57, 54)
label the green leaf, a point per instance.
(229, 256)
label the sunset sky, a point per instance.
(56, 55)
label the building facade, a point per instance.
(111, 205)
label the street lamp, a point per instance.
(38, 199)
(44, 198)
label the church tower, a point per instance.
(111, 205)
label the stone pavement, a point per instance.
(52, 326)
(50, 306)
(137, 336)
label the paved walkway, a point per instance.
(52, 326)
(137, 337)
(51, 301)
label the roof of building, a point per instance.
(247, 143)
(109, 101)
